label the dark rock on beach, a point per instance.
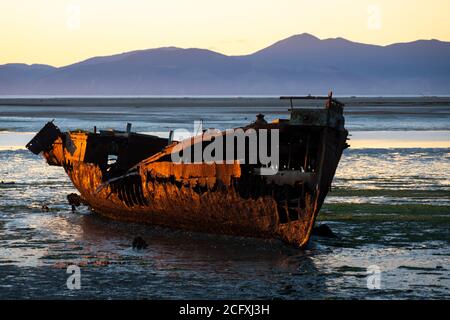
(323, 230)
(7, 182)
(139, 243)
(74, 200)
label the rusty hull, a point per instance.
(145, 186)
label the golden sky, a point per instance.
(60, 32)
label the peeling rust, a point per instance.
(131, 177)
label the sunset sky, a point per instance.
(60, 32)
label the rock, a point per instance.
(74, 200)
(323, 230)
(287, 290)
(139, 243)
(7, 182)
(45, 208)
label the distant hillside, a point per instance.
(300, 64)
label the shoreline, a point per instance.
(349, 101)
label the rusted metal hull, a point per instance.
(222, 198)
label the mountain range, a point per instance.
(300, 64)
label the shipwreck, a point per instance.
(133, 177)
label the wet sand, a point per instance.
(389, 205)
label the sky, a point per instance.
(61, 32)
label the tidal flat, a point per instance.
(389, 206)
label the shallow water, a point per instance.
(390, 207)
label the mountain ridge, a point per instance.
(298, 64)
